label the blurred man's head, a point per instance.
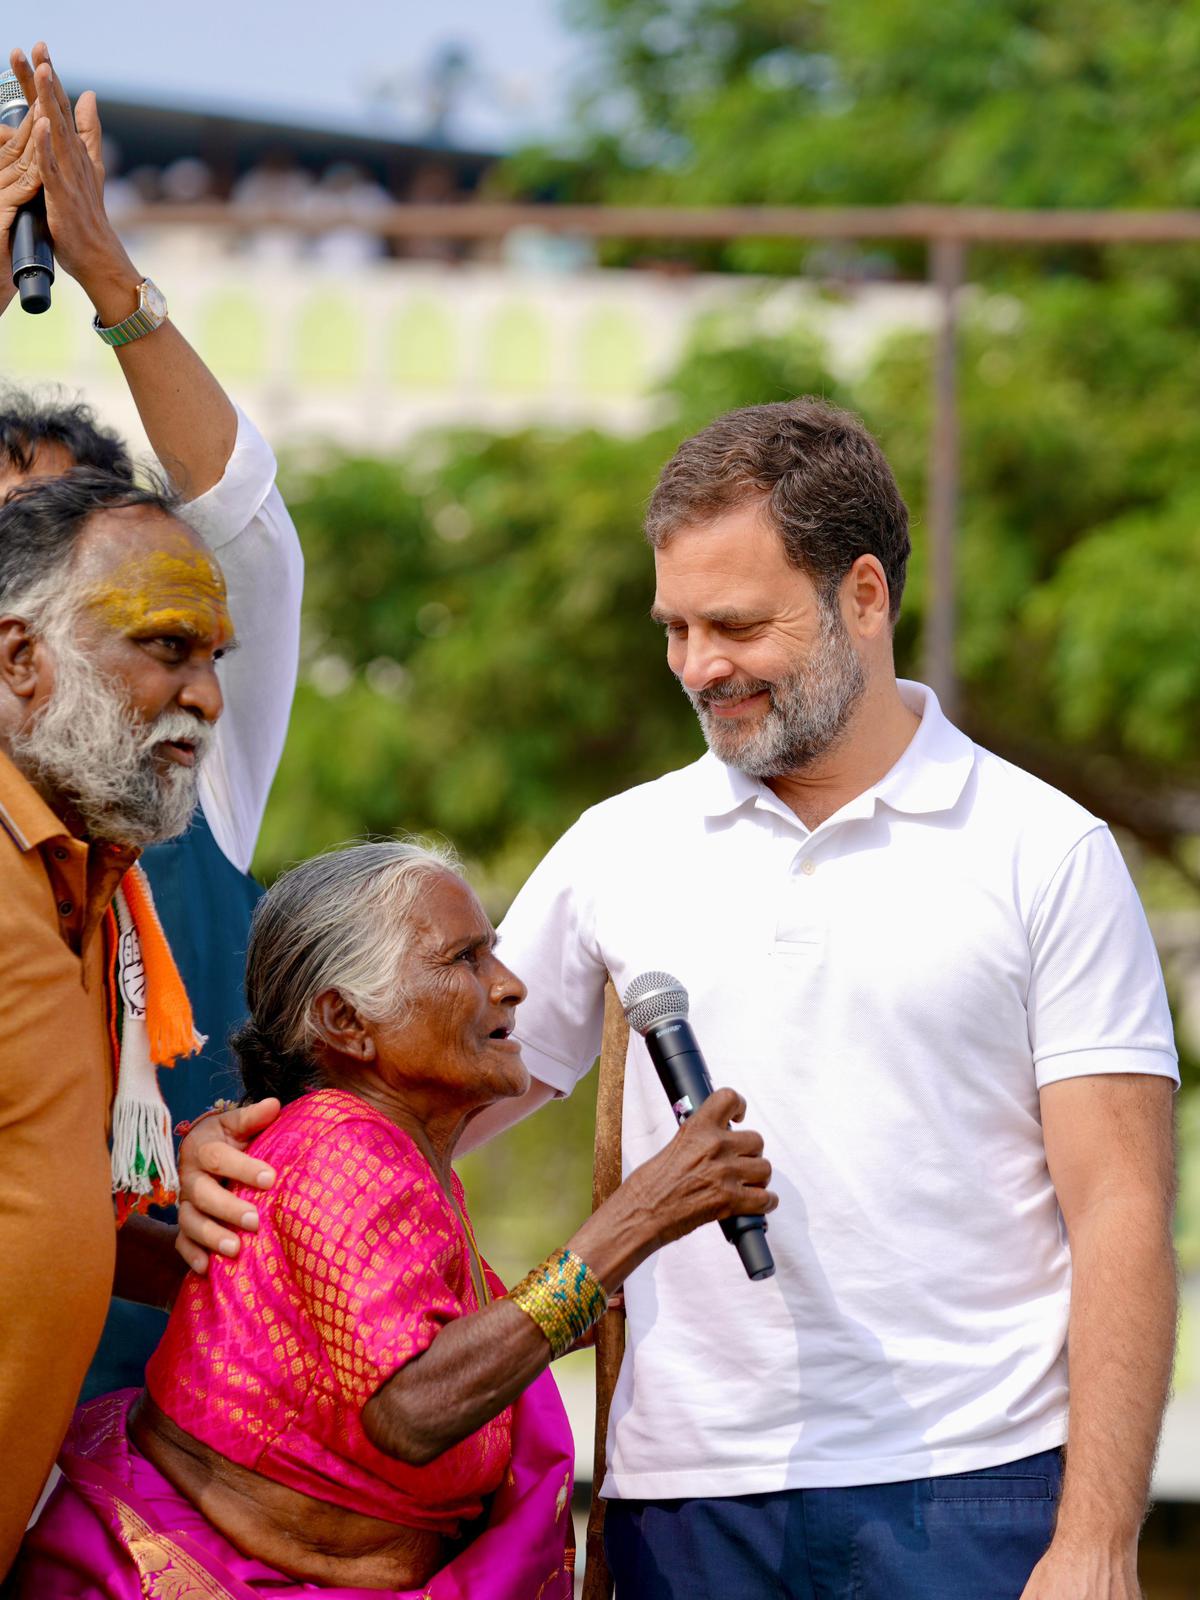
(40, 439)
(780, 545)
(112, 619)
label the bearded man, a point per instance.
(223, 467)
(112, 619)
(930, 976)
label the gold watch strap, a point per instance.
(135, 326)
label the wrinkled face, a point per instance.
(127, 693)
(454, 1037)
(766, 662)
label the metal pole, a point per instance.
(940, 617)
(471, 219)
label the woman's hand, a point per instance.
(211, 1156)
(480, 1362)
(709, 1171)
(20, 179)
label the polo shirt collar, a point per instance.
(929, 776)
(24, 815)
(723, 789)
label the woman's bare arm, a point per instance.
(480, 1363)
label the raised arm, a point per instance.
(1111, 1155)
(246, 524)
(213, 454)
(478, 1364)
(187, 416)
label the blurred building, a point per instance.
(333, 342)
(231, 144)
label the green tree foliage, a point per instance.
(877, 102)
(1011, 102)
(479, 656)
(479, 662)
(1080, 540)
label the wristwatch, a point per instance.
(151, 313)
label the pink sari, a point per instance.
(115, 1529)
(358, 1261)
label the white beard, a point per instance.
(88, 747)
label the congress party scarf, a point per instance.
(151, 1019)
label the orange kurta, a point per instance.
(57, 1237)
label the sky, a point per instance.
(285, 57)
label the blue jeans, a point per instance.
(971, 1536)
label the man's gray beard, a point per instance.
(87, 748)
(808, 711)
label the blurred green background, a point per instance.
(478, 659)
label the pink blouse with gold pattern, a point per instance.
(359, 1260)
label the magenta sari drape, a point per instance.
(115, 1529)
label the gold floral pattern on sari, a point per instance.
(166, 1571)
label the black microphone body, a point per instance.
(683, 1073)
(29, 237)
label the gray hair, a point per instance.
(828, 489)
(340, 921)
(42, 521)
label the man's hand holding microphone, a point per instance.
(58, 153)
(20, 180)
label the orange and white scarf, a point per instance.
(153, 1029)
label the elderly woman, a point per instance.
(355, 1404)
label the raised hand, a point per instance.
(68, 148)
(20, 179)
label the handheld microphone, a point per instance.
(656, 1006)
(32, 254)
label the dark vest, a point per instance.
(204, 904)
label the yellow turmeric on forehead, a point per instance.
(179, 591)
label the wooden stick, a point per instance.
(610, 1331)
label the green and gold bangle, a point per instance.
(564, 1297)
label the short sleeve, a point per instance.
(548, 940)
(245, 521)
(1097, 1003)
(222, 512)
(375, 1253)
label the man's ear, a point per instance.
(22, 658)
(341, 1027)
(865, 588)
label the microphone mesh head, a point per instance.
(652, 998)
(11, 92)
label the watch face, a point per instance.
(153, 300)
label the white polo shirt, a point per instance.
(889, 991)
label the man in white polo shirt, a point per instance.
(930, 977)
